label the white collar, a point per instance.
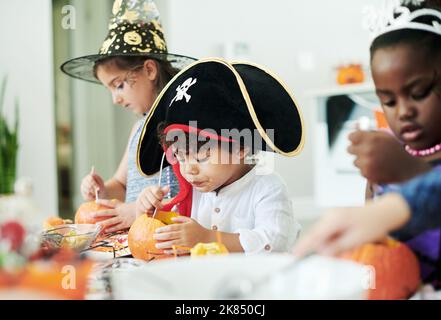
(237, 185)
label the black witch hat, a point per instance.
(134, 30)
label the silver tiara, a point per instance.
(393, 15)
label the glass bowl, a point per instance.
(73, 236)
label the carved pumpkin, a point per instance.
(141, 242)
(84, 213)
(166, 216)
(395, 267)
(140, 239)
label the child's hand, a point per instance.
(382, 159)
(120, 216)
(90, 183)
(150, 198)
(344, 229)
(185, 233)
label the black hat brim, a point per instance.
(83, 67)
(258, 90)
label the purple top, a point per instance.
(423, 232)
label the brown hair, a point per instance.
(165, 70)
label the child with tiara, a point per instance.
(406, 69)
(134, 65)
(210, 120)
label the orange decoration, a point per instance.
(396, 269)
(64, 276)
(352, 73)
(381, 119)
(65, 281)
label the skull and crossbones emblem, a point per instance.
(181, 91)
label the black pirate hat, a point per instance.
(134, 30)
(221, 96)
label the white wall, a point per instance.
(302, 41)
(101, 129)
(26, 56)
(92, 116)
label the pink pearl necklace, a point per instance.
(425, 152)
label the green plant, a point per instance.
(8, 146)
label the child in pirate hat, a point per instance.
(134, 65)
(211, 119)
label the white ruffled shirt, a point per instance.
(257, 207)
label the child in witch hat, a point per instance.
(217, 117)
(133, 63)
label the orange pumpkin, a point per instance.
(84, 213)
(396, 269)
(53, 222)
(166, 216)
(352, 73)
(140, 239)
